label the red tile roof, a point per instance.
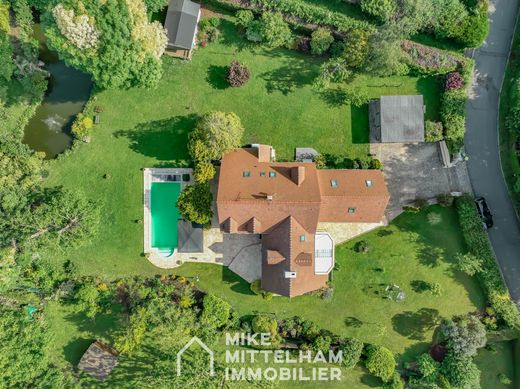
(285, 200)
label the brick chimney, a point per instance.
(298, 174)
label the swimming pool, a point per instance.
(164, 214)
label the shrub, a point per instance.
(427, 366)
(238, 74)
(351, 349)
(216, 133)
(460, 371)
(275, 31)
(464, 335)
(263, 324)
(517, 185)
(310, 330)
(453, 81)
(321, 39)
(356, 96)
(380, 362)
(354, 49)
(320, 161)
(256, 287)
(375, 164)
(478, 244)
(396, 382)
(362, 247)
(267, 296)
(333, 71)
(421, 203)
(244, 18)
(504, 380)
(445, 200)
(434, 218)
(82, 126)
(453, 106)
(434, 131)
(322, 343)
(381, 9)
(254, 31)
(469, 264)
(327, 294)
(194, 203)
(215, 311)
(204, 172)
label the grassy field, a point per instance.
(146, 128)
(510, 97)
(407, 253)
(493, 363)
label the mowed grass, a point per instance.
(499, 361)
(146, 128)
(407, 253)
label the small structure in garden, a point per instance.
(397, 119)
(99, 360)
(190, 238)
(395, 293)
(181, 25)
(305, 154)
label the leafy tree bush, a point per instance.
(209, 30)
(356, 96)
(194, 203)
(464, 335)
(351, 349)
(478, 244)
(445, 200)
(469, 264)
(238, 74)
(263, 324)
(354, 49)
(434, 131)
(303, 44)
(256, 287)
(428, 367)
(461, 371)
(310, 330)
(380, 362)
(244, 18)
(381, 9)
(396, 382)
(375, 164)
(453, 115)
(204, 172)
(504, 379)
(362, 246)
(385, 56)
(110, 39)
(321, 39)
(82, 126)
(215, 134)
(453, 81)
(6, 51)
(154, 6)
(215, 311)
(275, 31)
(254, 31)
(450, 17)
(333, 71)
(322, 343)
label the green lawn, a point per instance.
(403, 254)
(493, 363)
(146, 128)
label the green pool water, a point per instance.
(164, 214)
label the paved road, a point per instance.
(482, 140)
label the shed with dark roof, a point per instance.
(190, 237)
(397, 119)
(181, 26)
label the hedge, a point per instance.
(490, 277)
(300, 12)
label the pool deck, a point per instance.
(157, 175)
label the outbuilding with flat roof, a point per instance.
(397, 119)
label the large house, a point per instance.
(284, 202)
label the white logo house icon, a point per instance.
(204, 347)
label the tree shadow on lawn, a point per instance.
(359, 124)
(286, 79)
(413, 325)
(164, 139)
(217, 77)
(236, 283)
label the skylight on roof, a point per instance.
(262, 174)
(302, 238)
(334, 183)
(369, 183)
(246, 173)
(272, 174)
(352, 210)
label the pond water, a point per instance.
(69, 89)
